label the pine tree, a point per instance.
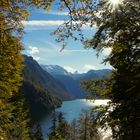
(63, 128)
(60, 118)
(74, 129)
(54, 126)
(13, 115)
(60, 129)
(12, 112)
(36, 133)
(57, 136)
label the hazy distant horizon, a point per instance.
(70, 71)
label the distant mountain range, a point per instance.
(72, 80)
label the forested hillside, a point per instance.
(43, 93)
(34, 74)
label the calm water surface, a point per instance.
(71, 110)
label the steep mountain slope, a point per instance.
(38, 100)
(41, 90)
(36, 75)
(73, 86)
(66, 79)
(55, 69)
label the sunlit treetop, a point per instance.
(114, 4)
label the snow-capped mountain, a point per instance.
(71, 81)
(55, 69)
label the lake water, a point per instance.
(71, 110)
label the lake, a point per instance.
(71, 110)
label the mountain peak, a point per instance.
(76, 72)
(55, 69)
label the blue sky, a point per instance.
(41, 45)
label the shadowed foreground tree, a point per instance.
(54, 126)
(74, 129)
(13, 113)
(63, 128)
(60, 129)
(118, 30)
(86, 126)
(13, 116)
(36, 133)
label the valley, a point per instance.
(45, 87)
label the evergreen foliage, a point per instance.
(13, 117)
(122, 29)
(36, 132)
(54, 134)
(84, 128)
(60, 129)
(13, 114)
(63, 128)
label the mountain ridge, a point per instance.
(41, 91)
(43, 78)
(72, 80)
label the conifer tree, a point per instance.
(63, 128)
(13, 115)
(74, 129)
(36, 133)
(54, 126)
(12, 106)
(60, 129)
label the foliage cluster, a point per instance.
(118, 29)
(13, 115)
(84, 128)
(14, 119)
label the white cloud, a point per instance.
(33, 51)
(84, 50)
(36, 58)
(88, 67)
(69, 69)
(107, 51)
(83, 69)
(43, 22)
(58, 13)
(51, 12)
(46, 24)
(57, 47)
